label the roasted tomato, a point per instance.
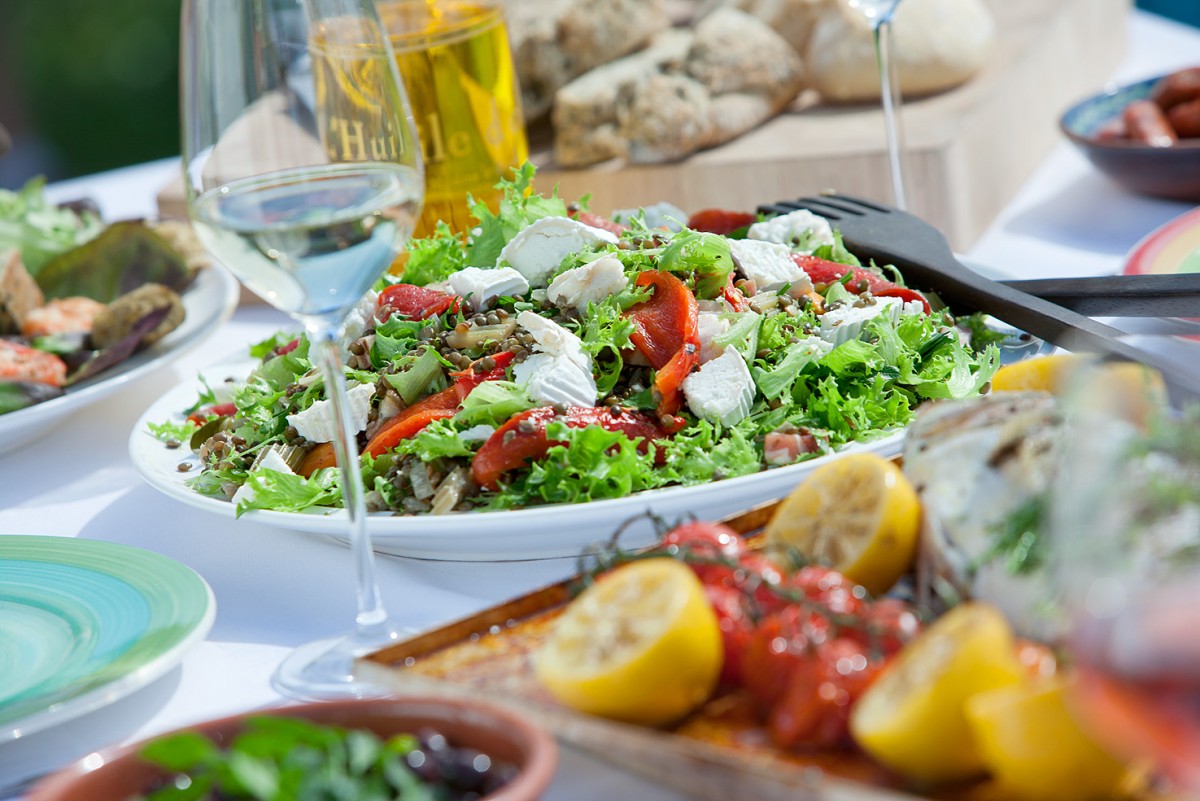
(720, 221)
(416, 302)
(814, 708)
(822, 271)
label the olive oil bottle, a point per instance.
(456, 64)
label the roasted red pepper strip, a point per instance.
(720, 221)
(415, 417)
(416, 302)
(523, 438)
(468, 379)
(822, 271)
(666, 331)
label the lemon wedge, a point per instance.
(912, 718)
(857, 514)
(641, 645)
(1032, 744)
(1127, 389)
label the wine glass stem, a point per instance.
(372, 616)
(889, 86)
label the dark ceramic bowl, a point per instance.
(121, 774)
(1167, 172)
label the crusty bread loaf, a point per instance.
(792, 19)
(554, 41)
(939, 44)
(585, 110)
(689, 90)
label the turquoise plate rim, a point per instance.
(149, 656)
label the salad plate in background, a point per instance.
(208, 303)
(522, 394)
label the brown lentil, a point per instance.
(183, 467)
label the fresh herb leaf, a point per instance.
(519, 207)
(702, 259)
(434, 258)
(493, 403)
(168, 430)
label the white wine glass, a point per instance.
(880, 15)
(304, 177)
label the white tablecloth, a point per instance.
(277, 589)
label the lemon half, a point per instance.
(857, 514)
(912, 718)
(641, 645)
(1033, 744)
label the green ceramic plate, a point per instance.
(84, 623)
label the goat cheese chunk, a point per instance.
(271, 461)
(362, 315)
(559, 371)
(588, 283)
(709, 326)
(477, 433)
(800, 230)
(846, 322)
(318, 423)
(480, 285)
(721, 390)
(538, 249)
(770, 266)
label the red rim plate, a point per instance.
(1173, 247)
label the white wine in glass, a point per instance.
(880, 15)
(304, 177)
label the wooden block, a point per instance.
(967, 151)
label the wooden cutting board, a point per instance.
(968, 150)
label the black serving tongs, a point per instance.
(889, 236)
(1120, 295)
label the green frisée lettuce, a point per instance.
(288, 492)
(494, 403)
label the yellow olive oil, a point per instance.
(455, 61)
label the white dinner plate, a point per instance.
(543, 532)
(84, 623)
(209, 302)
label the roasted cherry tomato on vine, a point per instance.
(782, 642)
(888, 624)
(413, 301)
(737, 629)
(720, 221)
(814, 708)
(706, 541)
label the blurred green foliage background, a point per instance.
(89, 85)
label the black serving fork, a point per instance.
(889, 236)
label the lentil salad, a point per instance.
(553, 356)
